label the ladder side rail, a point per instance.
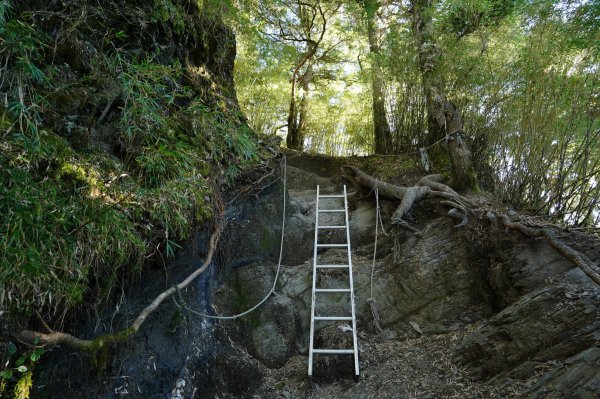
(314, 286)
(355, 342)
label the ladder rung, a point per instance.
(334, 351)
(332, 289)
(333, 318)
(332, 266)
(332, 211)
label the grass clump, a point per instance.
(49, 246)
(110, 151)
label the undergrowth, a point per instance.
(118, 127)
(104, 165)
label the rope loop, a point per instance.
(272, 290)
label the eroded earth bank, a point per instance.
(475, 311)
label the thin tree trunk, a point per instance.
(292, 139)
(298, 113)
(381, 128)
(295, 139)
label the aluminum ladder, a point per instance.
(328, 291)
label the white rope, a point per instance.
(371, 301)
(377, 221)
(233, 317)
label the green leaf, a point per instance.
(35, 356)
(171, 245)
(20, 360)
(7, 374)
(11, 349)
(22, 369)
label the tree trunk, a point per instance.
(443, 117)
(381, 128)
(292, 140)
(297, 118)
(292, 128)
(298, 113)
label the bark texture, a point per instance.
(443, 117)
(381, 128)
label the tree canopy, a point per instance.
(523, 76)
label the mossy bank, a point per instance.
(119, 129)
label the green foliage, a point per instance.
(21, 54)
(49, 246)
(17, 370)
(82, 214)
(466, 16)
(4, 9)
(526, 92)
(337, 87)
(72, 217)
(168, 11)
(165, 161)
(149, 91)
(524, 75)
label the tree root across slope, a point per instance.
(433, 186)
(54, 338)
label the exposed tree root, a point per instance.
(580, 260)
(432, 186)
(53, 338)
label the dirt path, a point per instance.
(413, 368)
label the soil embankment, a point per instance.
(471, 312)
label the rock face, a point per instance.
(518, 267)
(456, 307)
(576, 377)
(538, 312)
(557, 324)
(433, 285)
(553, 322)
